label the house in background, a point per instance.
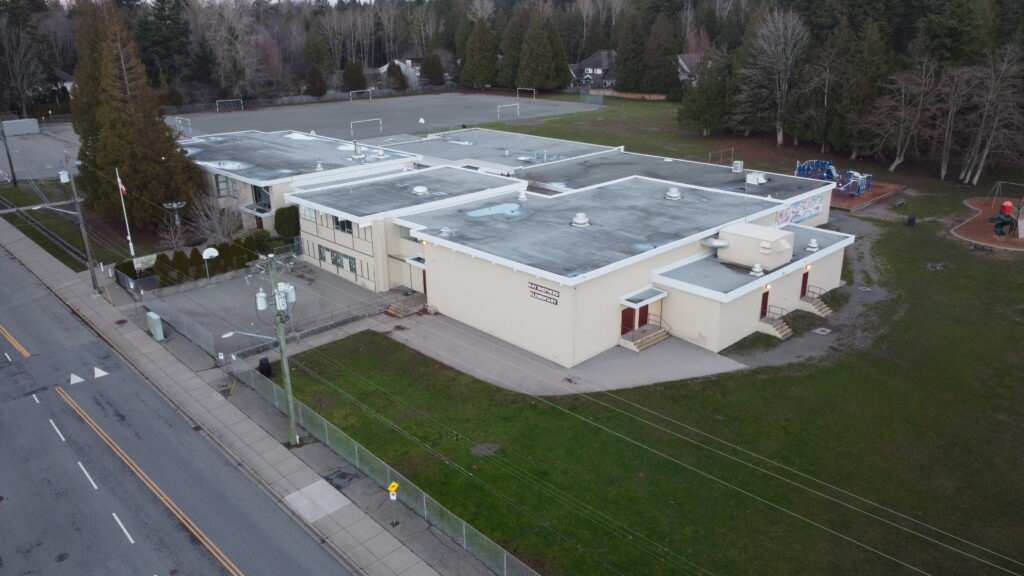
(687, 65)
(597, 70)
(410, 69)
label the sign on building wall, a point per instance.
(543, 293)
(803, 210)
(144, 262)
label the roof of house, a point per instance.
(396, 194)
(603, 59)
(689, 62)
(265, 158)
(628, 219)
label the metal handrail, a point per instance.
(776, 312)
(815, 291)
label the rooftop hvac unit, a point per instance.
(737, 166)
(757, 178)
(420, 190)
(673, 194)
(580, 220)
(756, 270)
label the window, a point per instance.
(322, 252)
(261, 196)
(343, 225)
(598, 71)
(352, 265)
(336, 258)
(307, 213)
(222, 185)
(589, 70)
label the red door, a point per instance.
(803, 284)
(259, 223)
(642, 321)
(764, 304)
(628, 320)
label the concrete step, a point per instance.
(645, 341)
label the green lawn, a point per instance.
(925, 421)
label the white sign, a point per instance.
(394, 495)
(144, 262)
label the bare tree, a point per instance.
(481, 9)
(388, 14)
(20, 61)
(954, 95)
(170, 235)
(999, 119)
(771, 73)
(425, 25)
(332, 28)
(588, 10)
(212, 222)
(55, 29)
(899, 118)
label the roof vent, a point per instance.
(757, 178)
(812, 246)
(507, 153)
(357, 151)
(580, 220)
(312, 132)
(319, 165)
(666, 159)
(522, 196)
(446, 232)
(523, 158)
(737, 166)
(673, 194)
(420, 190)
(756, 269)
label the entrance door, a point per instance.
(628, 320)
(642, 321)
(803, 284)
(764, 304)
(424, 282)
(259, 223)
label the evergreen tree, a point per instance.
(353, 75)
(315, 84)
(479, 65)
(132, 134)
(286, 221)
(660, 72)
(558, 71)
(956, 32)
(315, 49)
(85, 101)
(629, 51)
(395, 77)
(432, 70)
(535, 57)
(163, 41)
(511, 45)
(705, 103)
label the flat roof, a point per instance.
(269, 157)
(628, 218)
(712, 274)
(379, 195)
(578, 173)
(499, 148)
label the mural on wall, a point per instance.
(803, 210)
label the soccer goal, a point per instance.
(352, 126)
(353, 93)
(516, 106)
(183, 126)
(532, 91)
(724, 156)
(232, 104)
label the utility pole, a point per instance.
(81, 226)
(7, 149)
(283, 295)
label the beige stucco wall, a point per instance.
(371, 265)
(497, 300)
(692, 318)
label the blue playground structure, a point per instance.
(848, 182)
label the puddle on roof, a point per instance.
(300, 136)
(505, 209)
(460, 142)
(225, 164)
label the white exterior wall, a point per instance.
(692, 318)
(370, 263)
(497, 300)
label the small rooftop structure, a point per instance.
(399, 194)
(627, 219)
(581, 172)
(265, 158)
(490, 149)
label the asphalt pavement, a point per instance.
(151, 497)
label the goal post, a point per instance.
(532, 91)
(352, 126)
(229, 104)
(516, 106)
(368, 91)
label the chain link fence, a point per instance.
(496, 558)
(181, 323)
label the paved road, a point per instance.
(61, 483)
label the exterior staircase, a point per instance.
(778, 328)
(819, 306)
(643, 337)
(406, 306)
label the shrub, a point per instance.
(195, 263)
(395, 77)
(261, 238)
(315, 84)
(180, 264)
(432, 69)
(286, 221)
(353, 75)
(165, 270)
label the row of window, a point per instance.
(337, 258)
(224, 187)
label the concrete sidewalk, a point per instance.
(250, 433)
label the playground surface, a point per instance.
(979, 230)
(878, 191)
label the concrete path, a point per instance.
(361, 543)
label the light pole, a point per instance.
(177, 219)
(284, 295)
(81, 223)
(7, 148)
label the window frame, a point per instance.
(343, 226)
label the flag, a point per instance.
(120, 186)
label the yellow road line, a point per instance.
(17, 345)
(185, 520)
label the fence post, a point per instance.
(463, 534)
(425, 515)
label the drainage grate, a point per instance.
(822, 331)
(863, 288)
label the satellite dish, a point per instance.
(210, 253)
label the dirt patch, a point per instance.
(979, 230)
(485, 449)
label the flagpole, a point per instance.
(121, 193)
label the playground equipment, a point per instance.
(1007, 216)
(848, 182)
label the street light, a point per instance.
(81, 221)
(177, 219)
(284, 299)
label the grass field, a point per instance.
(925, 421)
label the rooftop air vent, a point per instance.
(812, 246)
(580, 220)
(757, 178)
(446, 232)
(737, 167)
(507, 153)
(420, 190)
(312, 132)
(522, 196)
(319, 165)
(357, 151)
(673, 194)
(756, 270)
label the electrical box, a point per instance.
(156, 326)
